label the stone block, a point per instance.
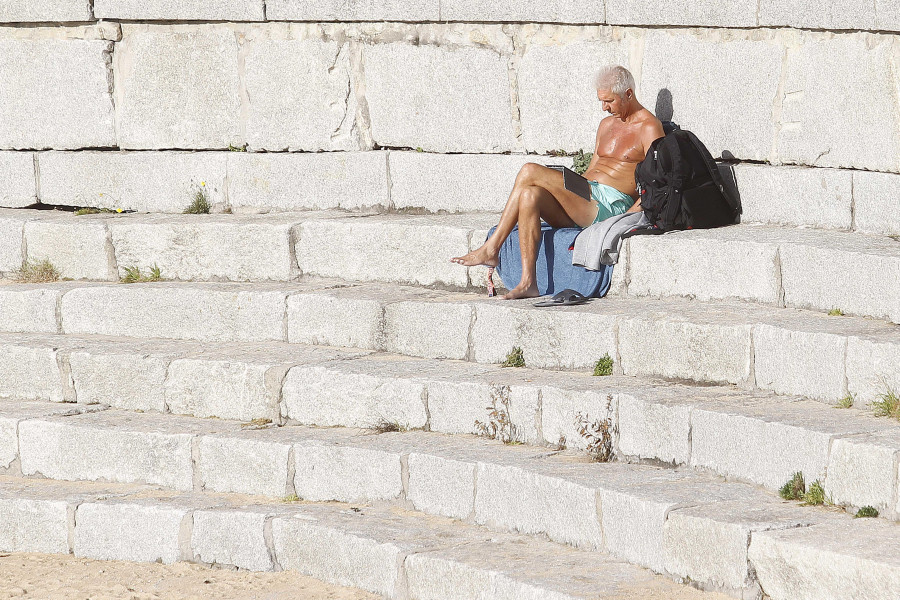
(71, 450)
(141, 532)
(177, 10)
(668, 347)
(831, 561)
(817, 14)
(513, 497)
(177, 86)
(331, 395)
(302, 96)
(57, 95)
(874, 197)
(205, 313)
(457, 183)
(352, 10)
(224, 389)
(557, 98)
(437, 112)
(457, 406)
(796, 196)
(414, 250)
(243, 465)
(872, 368)
(30, 309)
(428, 329)
(731, 13)
(887, 15)
(76, 246)
(815, 129)
(862, 471)
(507, 11)
(30, 373)
(353, 473)
(9, 441)
(37, 11)
(657, 430)
(564, 412)
(547, 338)
(691, 73)
(441, 486)
(331, 319)
(231, 537)
(261, 181)
(11, 243)
(816, 362)
(19, 188)
(131, 381)
(867, 289)
(141, 181)
(34, 525)
(705, 265)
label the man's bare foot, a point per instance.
(519, 291)
(482, 256)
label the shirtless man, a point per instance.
(539, 192)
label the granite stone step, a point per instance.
(713, 341)
(722, 429)
(623, 509)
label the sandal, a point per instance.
(564, 298)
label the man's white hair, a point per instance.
(614, 78)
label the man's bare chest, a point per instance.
(621, 142)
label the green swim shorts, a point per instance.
(610, 201)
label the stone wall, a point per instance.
(768, 82)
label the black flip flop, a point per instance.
(564, 298)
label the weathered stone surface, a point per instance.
(294, 181)
(34, 525)
(554, 11)
(875, 202)
(143, 532)
(244, 465)
(178, 87)
(557, 98)
(872, 368)
(436, 112)
(132, 381)
(354, 473)
(441, 486)
(19, 188)
(30, 373)
(410, 249)
(691, 72)
(428, 329)
(142, 181)
(28, 308)
(730, 13)
(36, 11)
(352, 10)
(333, 318)
(799, 362)
(11, 242)
(862, 471)
(108, 449)
(76, 246)
(887, 15)
(301, 96)
(458, 406)
(564, 412)
(843, 559)
(815, 128)
(231, 537)
(705, 264)
(206, 313)
(357, 394)
(654, 430)
(457, 182)
(796, 196)
(179, 10)
(57, 94)
(817, 14)
(545, 337)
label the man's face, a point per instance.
(611, 103)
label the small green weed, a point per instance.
(419, 149)
(816, 495)
(94, 211)
(604, 366)
(291, 498)
(835, 312)
(385, 426)
(866, 512)
(499, 425)
(582, 161)
(36, 271)
(133, 275)
(794, 489)
(233, 148)
(887, 405)
(515, 358)
(259, 423)
(200, 204)
(847, 401)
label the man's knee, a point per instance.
(530, 198)
(528, 173)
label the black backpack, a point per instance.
(681, 187)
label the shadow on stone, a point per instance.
(665, 111)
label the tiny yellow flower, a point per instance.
(203, 183)
(118, 210)
(101, 194)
